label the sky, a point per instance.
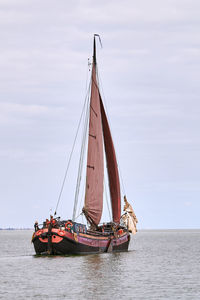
(149, 69)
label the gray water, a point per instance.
(160, 265)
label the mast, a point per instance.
(94, 52)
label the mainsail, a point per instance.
(99, 129)
(95, 166)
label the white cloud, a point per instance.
(150, 70)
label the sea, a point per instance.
(160, 264)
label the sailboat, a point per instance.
(56, 236)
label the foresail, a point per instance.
(95, 165)
(112, 167)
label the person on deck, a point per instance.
(53, 221)
(36, 226)
(47, 223)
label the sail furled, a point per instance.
(95, 164)
(129, 218)
(113, 174)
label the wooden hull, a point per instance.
(63, 242)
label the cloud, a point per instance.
(149, 68)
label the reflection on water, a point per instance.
(100, 273)
(160, 265)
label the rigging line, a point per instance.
(121, 178)
(63, 183)
(80, 168)
(88, 71)
(83, 146)
(78, 216)
(106, 194)
(81, 201)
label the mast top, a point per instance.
(94, 47)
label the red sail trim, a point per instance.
(113, 173)
(95, 166)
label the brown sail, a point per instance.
(95, 165)
(112, 167)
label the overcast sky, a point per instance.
(150, 70)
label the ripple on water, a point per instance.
(160, 265)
